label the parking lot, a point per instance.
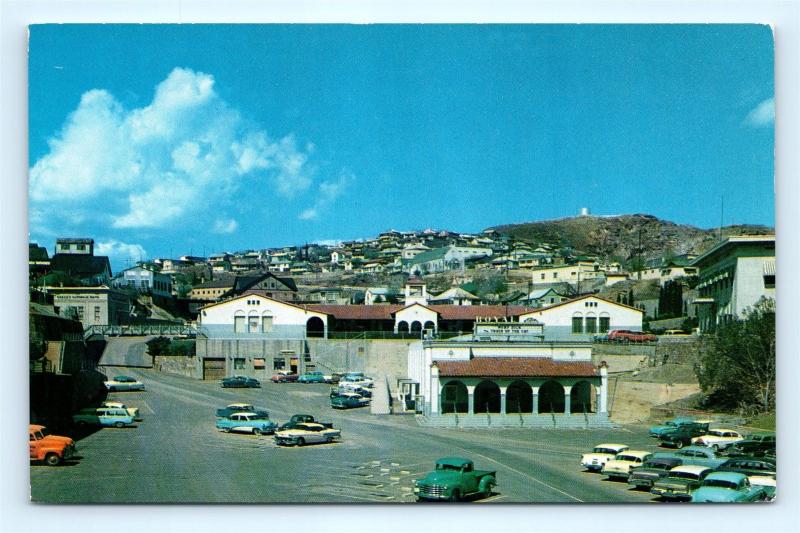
(176, 455)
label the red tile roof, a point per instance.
(446, 312)
(469, 312)
(357, 312)
(508, 367)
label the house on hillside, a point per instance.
(76, 258)
(455, 296)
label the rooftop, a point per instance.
(501, 367)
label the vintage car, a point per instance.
(123, 383)
(306, 433)
(348, 387)
(625, 335)
(284, 376)
(749, 466)
(728, 487)
(247, 423)
(133, 411)
(302, 419)
(681, 482)
(623, 463)
(348, 400)
(241, 408)
(696, 455)
(357, 379)
(331, 378)
(755, 445)
(768, 483)
(718, 438)
(240, 382)
(681, 436)
(601, 454)
(102, 416)
(453, 479)
(651, 471)
(312, 377)
(52, 450)
(671, 425)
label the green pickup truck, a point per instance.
(455, 478)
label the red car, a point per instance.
(625, 335)
(284, 376)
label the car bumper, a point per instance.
(641, 482)
(589, 465)
(671, 494)
(431, 493)
(616, 474)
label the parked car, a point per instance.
(651, 471)
(681, 482)
(696, 455)
(755, 445)
(241, 408)
(348, 400)
(248, 423)
(749, 466)
(284, 376)
(626, 335)
(718, 438)
(768, 483)
(357, 379)
(453, 479)
(729, 487)
(103, 416)
(623, 463)
(600, 455)
(123, 383)
(240, 382)
(133, 411)
(312, 377)
(681, 436)
(52, 450)
(306, 433)
(675, 423)
(677, 333)
(331, 378)
(350, 387)
(303, 419)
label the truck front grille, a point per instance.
(431, 490)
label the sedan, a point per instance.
(240, 408)
(348, 400)
(312, 377)
(284, 376)
(307, 433)
(123, 383)
(247, 423)
(240, 382)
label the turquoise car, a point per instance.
(103, 416)
(247, 423)
(312, 377)
(695, 455)
(728, 487)
(671, 425)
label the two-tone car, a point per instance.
(728, 487)
(240, 382)
(357, 379)
(681, 482)
(284, 376)
(241, 408)
(696, 455)
(681, 436)
(123, 383)
(348, 400)
(718, 438)
(246, 423)
(102, 416)
(749, 466)
(312, 377)
(651, 471)
(754, 445)
(133, 411)
(671, 425)
(306, 433)
(768, 483)
(600, 455)
(621, 466)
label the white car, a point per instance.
(600, 455)
(126, 383)
(306, 433)
(622, 464)
(133, 411)
(718, 439)
(357, 379)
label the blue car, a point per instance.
(312, 377)
(247, 423)
(240, 382)
(728, 487)
(103, 416)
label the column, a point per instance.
(503, 401)
(471, 399)
(535, 400)
(567, 397)
(602, 405)
(434, 391)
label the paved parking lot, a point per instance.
(176, 455)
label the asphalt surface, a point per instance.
(176, 455)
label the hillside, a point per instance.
(619, 236)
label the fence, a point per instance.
(140, 330)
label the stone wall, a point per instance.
(180, 365)
(680, 350)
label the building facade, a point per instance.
(92, 306)
(583, 318)
(146, 280)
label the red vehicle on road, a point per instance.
(625, 335)
(284, 376)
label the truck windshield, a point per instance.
(444, 466)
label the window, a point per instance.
(591, 324)
(81, 247)
(259, 363)
(542, 275)
(96, 313)
(238, 324)
(605, 324)
(279, 363)
(238, 363)
(769, 282)
(266, 324)
(252, 324)
(555, 275)
(577, 324)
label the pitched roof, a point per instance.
(37, 253)
(446, 312)
(515, 367)
(430, 255)
(357, 312)
(221, 282)
(470, 312)
(455, 292)
(81, 265)
(579, 298)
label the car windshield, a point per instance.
(445, 466)
(630, 458)
(721, 483)
(683, 475)
(716, 433)
(658, 465)
(604, 450)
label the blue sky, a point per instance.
(162, 140)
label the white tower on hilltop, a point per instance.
(584, 212)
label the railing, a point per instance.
(357, 335)
(140, 330)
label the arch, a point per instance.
(582, 398)
(454, 397)
(416, 327)
(519, 398)
(487, 397)
(315, 327)
(402, 327)
(551, 397)
(429, 325)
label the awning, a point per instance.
(769, 267)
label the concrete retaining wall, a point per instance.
(632, 401)
(541, 421)
(179, 365)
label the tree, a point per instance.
(158, 346)
(737, 367)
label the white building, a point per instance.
(584, 317)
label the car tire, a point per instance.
(455, 496)
(679, 444)
(257, 432)
(715, 447)
(52, 459)
(487, 491)
(226, 430)
(119, 425)
(301, 441)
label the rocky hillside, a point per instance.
(619, 237)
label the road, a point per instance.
(176, 455)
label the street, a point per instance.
(175, 454)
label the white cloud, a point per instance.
(224, 226)
(120, 251)
(762, 115)
(329, 191)
(152, 166)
